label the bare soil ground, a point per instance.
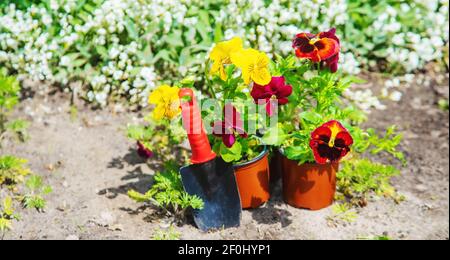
(91, 165)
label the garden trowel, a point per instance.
(209, 177)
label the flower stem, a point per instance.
(208, 83)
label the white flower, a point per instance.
(117, 75)
(393, 27)
(113, 53)
(3, 56)
(101, 98)
(54, 5)
(408, 78)
(413, 61)
(29, 48)
(396, 96)
(101, 31)
(398, 39)
(90, 96)
(47, 20)
(384, 92)
(65, 61)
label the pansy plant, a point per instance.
(330, 142)
(322, 48)
(303, 93)
(163, 128)
(317, 125)
(273, 94)
(231, 127)
(234, 71)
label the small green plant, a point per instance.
(37, 191)
(342, 213)
(12, 170)
(73, 111)
(379, 237)
(19, 128)
(443, 104)
(359, 177)
(318, 100)
(9, 97)
(7, 215)
(159, 137)
(369, 141)
(167, 193)
(170, 234)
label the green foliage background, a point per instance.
(174, 43)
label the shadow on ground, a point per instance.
(271, 212)
(143, 180)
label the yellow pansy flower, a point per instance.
(221, 55)
(254, 65)
(167, 102)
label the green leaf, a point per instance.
(274, 136)
(102, 51)
(12, 170)
(34, 201)
(233, 154)
(162, 55)
(311, 117)
(47, 190)
(218, 33)
(136, 132)
(167, 192)
(174, 39)
(138, 197)
(358, 177)
(7, 206)
(18, 125)
(301, 154)
(34, 182)
(9, 92)
(131, 29)
(5, 224)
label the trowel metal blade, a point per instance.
(215, 183)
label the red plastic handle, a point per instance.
(192, 122)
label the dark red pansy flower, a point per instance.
(143, 151)
(230, 127)
(276, 92)
(330, 142)
(323, 47)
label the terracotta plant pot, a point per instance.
(310, 185)
(253, 181)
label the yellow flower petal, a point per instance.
(156, 96)
(222, 73)
(158, 113)
(244, 57)
(167, 102)
(223, 50)
(246, 76)
(217, 68)
(221, 55)
(262, 76)
(254, 65)
(262, 60)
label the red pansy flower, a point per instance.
(323, 47)
(143, 151)
(231, 126)
(330, 142)
(275, 92)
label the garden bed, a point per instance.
(85, 156)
